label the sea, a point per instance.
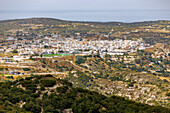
(126, 16)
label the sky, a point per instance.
(84, 4)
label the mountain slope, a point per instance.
(48, 94)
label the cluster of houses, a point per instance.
(57, 45)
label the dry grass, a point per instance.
(167, 78)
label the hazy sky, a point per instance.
(84, 4)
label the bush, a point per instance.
(48, 83)
(42, 88)
(32, 107)
(26, 69)
(35, 95)
(10, 77)
(167, 94)
(43, 66)
(15, 51)
(80, 60)
(1, 69)
(62, 89)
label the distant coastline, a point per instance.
(106, 22)
(125, 16)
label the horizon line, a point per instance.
(87, 10)
(82, 21)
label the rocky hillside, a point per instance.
(48, 94)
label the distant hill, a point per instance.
(152, 32)
(52, 21)
(49, 20)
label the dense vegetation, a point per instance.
(48, 94)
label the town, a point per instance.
(54, 46)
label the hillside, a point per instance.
(151, 31)
(51, 20)
(128, 76)
(48, 94)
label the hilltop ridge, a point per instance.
(34, 20)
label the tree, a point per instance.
(14, 51)
(32, 107)
(62, 89)
(167, 94)
(48, 83)
(42, 88)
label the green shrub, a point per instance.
(62, 89)
(26, 69)
(1, 69)
(48, 83)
